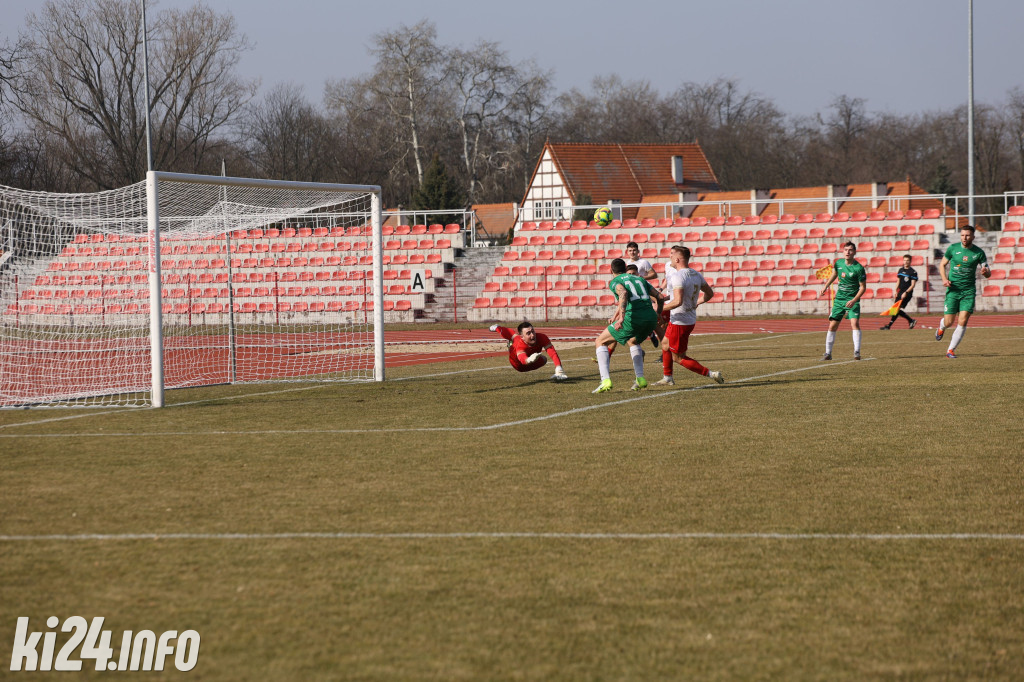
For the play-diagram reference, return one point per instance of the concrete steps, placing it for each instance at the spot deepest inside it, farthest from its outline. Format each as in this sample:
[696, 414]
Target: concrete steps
[463, 281]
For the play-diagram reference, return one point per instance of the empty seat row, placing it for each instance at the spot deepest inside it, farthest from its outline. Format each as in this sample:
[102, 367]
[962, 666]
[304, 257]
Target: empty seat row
[717, 221]
[778, 234]
[201, 308]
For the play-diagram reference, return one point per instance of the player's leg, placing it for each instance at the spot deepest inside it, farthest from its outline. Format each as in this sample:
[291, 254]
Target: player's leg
[950, 308]
[636, 354]
[903, 314]
[679, 341]
[505, 332]
[602, 349]
[855, 324]
[666, 367]
[958, 333]
[666, 354]
[838, 311]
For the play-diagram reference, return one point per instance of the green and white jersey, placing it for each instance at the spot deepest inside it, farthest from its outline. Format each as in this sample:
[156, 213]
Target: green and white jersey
[849, 276]
[963, 264]
[638, 291]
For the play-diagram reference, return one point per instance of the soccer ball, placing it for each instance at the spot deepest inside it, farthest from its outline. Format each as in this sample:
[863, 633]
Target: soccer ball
[603, 216]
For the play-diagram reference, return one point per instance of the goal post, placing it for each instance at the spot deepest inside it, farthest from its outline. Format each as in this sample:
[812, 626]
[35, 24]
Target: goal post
[187, 280]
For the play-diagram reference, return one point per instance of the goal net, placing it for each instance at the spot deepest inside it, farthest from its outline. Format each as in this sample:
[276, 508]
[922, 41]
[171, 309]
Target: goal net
[244, 281]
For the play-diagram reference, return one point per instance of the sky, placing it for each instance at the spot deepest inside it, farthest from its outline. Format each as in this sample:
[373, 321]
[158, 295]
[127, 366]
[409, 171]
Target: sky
[901, 56]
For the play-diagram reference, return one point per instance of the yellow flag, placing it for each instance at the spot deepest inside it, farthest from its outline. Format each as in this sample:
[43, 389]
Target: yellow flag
[891, 311]
[824, 273]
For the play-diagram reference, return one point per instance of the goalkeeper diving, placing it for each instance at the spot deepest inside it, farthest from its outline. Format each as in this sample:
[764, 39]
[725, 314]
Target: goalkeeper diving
[524, 349]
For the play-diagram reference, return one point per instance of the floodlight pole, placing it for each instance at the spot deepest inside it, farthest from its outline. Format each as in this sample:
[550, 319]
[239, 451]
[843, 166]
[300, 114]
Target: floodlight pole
[970, 111]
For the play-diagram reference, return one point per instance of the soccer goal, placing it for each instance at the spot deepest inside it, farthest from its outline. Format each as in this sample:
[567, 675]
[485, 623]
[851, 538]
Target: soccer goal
[183, 281]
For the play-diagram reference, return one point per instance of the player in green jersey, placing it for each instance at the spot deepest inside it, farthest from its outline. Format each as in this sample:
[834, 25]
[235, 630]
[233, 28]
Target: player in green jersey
[963, 260]
[852, 283]
[634, 320]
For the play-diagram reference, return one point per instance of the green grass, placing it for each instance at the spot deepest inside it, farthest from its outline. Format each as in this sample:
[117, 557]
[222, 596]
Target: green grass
[905, 443]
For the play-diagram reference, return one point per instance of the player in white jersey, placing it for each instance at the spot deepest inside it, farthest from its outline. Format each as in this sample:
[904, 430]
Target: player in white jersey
[643, 266]
[663, 322]
[687, 285]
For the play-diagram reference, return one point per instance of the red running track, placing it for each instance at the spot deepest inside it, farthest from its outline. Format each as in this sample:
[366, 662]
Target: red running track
[588, 333]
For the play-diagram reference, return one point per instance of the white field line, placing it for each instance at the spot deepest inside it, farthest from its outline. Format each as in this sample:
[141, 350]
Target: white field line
[120, 410]
[434, 429]
[888, 537]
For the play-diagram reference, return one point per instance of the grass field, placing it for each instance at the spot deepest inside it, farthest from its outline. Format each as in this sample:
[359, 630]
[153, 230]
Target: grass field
[806, 520]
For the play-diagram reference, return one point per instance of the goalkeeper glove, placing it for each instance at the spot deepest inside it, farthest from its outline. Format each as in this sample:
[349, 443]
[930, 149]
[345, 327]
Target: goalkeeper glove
[530, 359]
[493, 327]
[560, 374]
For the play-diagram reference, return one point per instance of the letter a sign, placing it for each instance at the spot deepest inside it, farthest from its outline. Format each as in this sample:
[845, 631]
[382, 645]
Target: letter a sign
[419, 281]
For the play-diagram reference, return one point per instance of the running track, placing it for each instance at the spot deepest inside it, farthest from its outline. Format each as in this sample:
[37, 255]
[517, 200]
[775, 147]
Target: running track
[588, 333]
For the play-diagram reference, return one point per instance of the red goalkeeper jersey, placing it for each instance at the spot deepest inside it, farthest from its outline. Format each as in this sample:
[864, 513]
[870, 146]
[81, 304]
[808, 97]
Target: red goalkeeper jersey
[519, 346]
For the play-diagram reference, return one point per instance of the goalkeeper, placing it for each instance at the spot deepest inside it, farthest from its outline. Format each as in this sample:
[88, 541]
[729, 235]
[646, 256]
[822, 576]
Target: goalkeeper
[525, 346]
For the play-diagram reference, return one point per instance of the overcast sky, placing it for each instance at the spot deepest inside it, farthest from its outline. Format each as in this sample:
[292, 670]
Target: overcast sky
[902, 56]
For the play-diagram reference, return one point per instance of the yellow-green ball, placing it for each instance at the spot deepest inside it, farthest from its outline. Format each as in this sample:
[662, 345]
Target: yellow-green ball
[603, 216]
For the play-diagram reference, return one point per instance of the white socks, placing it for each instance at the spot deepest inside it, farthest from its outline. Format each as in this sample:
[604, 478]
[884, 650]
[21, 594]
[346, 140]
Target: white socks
[637, 354]
[830, 339]
[856, 340]
[958, 335]
[604, 359]
[942, 323]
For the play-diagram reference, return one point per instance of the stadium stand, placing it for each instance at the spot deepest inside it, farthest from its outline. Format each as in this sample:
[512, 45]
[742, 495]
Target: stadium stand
[809, 242]
[283, 276]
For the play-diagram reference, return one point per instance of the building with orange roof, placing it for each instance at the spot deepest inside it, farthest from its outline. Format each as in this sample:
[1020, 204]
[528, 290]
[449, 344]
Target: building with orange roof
[494, 222]
[572, 174]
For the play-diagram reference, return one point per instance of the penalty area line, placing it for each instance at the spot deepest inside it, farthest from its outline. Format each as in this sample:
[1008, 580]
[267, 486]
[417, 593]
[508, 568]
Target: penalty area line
[512, 535]
[434, 429]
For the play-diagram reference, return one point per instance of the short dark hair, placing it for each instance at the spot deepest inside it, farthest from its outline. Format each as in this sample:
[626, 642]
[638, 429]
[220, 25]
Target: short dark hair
[618, 266]
[684, 250]
[850, 244]
[967, 227]
[523, 325]
[632, 245]
[907, 255]
[632, 269]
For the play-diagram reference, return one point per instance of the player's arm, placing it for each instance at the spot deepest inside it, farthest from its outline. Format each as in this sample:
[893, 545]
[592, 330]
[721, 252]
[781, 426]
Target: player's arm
[910, 290]
[620, 311]
[560, 374]
[708, 292]
[659, 298]
[675, 301]
[985, 271]
[832, 278]
[942, 269]
[860, 292]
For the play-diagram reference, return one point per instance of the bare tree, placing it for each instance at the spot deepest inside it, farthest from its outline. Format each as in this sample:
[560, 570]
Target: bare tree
[530, 119]
[406, 76]
[1015, 115]
[371, 147]
[286, 138]
[486, 91]
[81, 85]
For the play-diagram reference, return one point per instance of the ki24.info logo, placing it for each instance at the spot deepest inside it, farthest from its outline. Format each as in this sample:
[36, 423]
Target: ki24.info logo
[142, 650]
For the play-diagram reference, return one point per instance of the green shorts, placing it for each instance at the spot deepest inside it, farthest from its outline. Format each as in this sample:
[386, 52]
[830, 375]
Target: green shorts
[638, 329]
[959, 300]
[839, 309]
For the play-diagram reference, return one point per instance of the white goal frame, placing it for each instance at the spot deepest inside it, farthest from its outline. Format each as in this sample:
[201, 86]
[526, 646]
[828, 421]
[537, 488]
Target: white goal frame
[153, 180]
[87, 291]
